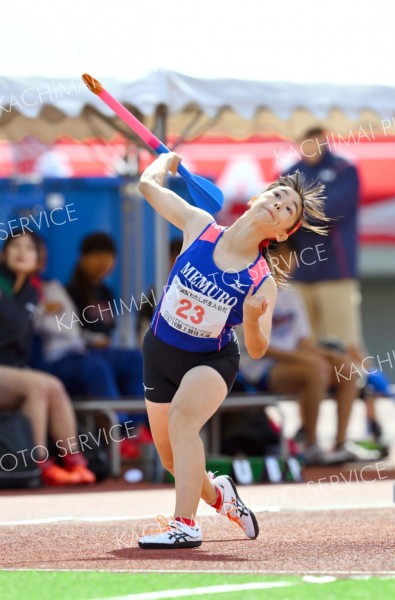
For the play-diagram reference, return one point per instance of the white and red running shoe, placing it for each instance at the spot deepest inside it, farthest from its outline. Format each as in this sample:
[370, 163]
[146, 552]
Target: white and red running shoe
[234, 508]
[171, 534]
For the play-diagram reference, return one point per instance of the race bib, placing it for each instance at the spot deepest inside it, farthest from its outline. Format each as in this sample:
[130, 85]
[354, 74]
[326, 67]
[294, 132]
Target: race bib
[192, 312]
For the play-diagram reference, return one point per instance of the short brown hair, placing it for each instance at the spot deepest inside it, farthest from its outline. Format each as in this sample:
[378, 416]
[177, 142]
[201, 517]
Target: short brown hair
[317, 131]
[312, 196]
[98, 242]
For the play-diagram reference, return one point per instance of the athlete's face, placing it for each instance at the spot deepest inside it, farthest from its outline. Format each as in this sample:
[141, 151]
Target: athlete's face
[313, 149]
[97, 265]
[278, 209]
[21, 255]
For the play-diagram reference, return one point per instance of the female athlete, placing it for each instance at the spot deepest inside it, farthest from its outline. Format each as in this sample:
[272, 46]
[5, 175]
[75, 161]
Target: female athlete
[222, 278]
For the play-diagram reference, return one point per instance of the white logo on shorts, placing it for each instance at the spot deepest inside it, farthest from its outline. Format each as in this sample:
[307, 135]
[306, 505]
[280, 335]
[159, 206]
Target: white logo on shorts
[146, 388]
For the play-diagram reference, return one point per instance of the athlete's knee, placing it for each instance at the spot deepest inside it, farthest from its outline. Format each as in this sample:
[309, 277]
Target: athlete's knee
[182, 423]
[166, 456]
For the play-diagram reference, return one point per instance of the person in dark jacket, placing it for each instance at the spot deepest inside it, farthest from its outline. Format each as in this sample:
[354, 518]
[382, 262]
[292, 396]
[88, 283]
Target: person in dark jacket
[40, 397]
[18, 299]
[97, 315]
[326, 271]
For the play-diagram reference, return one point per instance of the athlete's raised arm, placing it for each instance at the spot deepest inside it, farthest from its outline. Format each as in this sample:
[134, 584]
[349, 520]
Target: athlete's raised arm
[257, 318]
[168, 204]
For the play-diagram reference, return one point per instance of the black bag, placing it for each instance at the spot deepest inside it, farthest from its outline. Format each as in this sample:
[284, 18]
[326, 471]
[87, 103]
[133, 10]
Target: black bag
[249, 432]
[17, 467]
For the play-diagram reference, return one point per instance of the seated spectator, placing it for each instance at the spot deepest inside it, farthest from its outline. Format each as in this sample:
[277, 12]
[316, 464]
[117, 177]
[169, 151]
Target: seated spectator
[92, 297]
[39, 396]
[330, 288]
[293, 363]
[83, 369]
[95, 301]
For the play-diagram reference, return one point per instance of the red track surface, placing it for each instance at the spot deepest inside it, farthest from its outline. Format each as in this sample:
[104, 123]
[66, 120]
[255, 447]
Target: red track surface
[291, 541]
[334, 541]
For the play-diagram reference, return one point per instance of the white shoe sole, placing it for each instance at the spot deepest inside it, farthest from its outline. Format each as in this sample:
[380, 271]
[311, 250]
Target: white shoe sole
[253, 517]
[161, 546]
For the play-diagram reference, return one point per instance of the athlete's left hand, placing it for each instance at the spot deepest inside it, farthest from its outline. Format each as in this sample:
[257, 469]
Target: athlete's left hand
[254, 306]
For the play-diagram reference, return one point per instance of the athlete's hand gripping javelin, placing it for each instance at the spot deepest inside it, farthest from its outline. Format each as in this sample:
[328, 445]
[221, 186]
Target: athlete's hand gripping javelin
[189, 219]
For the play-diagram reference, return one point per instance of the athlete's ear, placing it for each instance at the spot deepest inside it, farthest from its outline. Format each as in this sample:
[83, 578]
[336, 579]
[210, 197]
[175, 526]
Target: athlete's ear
[252, 200]
[281, 237]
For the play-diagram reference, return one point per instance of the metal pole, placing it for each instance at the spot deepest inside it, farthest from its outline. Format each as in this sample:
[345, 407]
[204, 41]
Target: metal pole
[132, 253]
[162, 252]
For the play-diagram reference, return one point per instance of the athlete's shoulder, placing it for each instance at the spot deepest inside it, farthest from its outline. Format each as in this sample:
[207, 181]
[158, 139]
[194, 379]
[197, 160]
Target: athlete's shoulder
[195, 226]
[259, 271]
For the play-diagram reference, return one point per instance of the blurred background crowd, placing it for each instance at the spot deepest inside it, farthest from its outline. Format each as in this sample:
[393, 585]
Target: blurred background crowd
[80, 278]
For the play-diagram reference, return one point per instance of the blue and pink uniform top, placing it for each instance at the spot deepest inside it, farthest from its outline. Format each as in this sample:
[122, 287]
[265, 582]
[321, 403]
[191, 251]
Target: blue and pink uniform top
[201, 304]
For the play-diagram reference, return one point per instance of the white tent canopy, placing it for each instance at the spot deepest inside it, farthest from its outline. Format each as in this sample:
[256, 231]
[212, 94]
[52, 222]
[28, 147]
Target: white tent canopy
[217, 67]
[48, 108]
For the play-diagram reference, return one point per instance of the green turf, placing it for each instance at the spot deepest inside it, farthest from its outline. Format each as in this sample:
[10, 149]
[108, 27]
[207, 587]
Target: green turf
[77, 585]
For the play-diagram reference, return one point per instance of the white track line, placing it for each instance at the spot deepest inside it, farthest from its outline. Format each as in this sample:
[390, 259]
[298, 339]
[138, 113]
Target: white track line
[259, 510]
[296, 573]
[214, 589]
[339, 507]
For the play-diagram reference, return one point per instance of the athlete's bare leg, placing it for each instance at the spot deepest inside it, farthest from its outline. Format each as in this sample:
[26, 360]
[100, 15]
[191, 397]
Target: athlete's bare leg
[201, 392]
[158, 415]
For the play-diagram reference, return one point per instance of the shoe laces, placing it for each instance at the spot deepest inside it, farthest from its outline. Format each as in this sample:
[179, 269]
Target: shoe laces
[164, 525]
[234, 518]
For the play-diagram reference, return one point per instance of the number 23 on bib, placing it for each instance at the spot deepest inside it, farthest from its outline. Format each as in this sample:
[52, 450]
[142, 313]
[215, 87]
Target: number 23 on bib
[192, 312]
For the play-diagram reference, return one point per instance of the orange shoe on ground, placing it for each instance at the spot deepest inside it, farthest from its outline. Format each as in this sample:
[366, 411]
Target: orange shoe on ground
[55, 475]
[84, 475]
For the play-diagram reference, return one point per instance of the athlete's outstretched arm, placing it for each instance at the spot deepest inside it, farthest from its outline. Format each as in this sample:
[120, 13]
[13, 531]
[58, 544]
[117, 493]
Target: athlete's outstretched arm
[168, 204]
[257, 318]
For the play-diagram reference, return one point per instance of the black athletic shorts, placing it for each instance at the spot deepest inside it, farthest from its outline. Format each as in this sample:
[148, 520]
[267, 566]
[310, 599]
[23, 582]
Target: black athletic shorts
[165, 366]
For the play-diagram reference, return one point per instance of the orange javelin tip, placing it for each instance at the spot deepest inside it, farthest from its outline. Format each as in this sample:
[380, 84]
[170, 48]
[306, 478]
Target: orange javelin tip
[92, 83]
